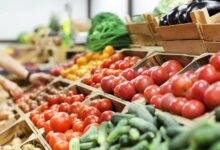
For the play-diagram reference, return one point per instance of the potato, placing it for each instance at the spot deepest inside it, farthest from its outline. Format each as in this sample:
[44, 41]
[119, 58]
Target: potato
[28, 147]
[16, 141]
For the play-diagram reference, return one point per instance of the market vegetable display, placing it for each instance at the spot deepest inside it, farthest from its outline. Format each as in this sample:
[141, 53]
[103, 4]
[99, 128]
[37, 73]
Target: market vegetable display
[107, 29]
[181, 14]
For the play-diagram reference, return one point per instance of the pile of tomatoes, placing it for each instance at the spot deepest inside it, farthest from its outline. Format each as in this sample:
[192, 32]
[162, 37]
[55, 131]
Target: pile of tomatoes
[65, 117]
[112, 66]
[192, 93]
[131, 84]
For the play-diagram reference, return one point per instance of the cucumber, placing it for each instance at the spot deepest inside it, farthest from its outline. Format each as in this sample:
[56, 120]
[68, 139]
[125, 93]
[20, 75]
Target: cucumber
[142, 125]
[115, 118]
[124, 140]
[122, 122]
[174, 131]
[134, 135]
[206, 136]
[156, 142]
[74, 144]
[217, 114]
[93, 138]
[92, 131]
[116, 133]
[166, 120]
[142, 145]
[140, 111]
[147, 136]
[151, 109]
[215, 146]
[102, 133]
[115, 147]
[87, 146]
[96, 148]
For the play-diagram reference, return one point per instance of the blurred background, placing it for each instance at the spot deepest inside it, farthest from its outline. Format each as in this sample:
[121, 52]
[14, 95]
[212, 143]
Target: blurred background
[26, 15]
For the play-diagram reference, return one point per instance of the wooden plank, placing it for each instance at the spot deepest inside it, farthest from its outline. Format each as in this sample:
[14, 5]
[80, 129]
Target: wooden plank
[211, 32]
[213, 47]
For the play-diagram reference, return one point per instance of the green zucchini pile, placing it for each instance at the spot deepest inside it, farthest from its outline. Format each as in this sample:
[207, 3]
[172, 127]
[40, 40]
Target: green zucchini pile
[139, 129]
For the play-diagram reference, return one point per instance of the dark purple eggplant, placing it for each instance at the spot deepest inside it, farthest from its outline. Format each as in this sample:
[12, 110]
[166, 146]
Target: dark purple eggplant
[172, 16]
[213, 8]
[181, 15]
[163, 21]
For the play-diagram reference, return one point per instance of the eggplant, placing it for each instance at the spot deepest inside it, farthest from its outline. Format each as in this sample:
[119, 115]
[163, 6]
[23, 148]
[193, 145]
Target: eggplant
[182, 14]
[163, 21]
[172, 16]
[213, 8]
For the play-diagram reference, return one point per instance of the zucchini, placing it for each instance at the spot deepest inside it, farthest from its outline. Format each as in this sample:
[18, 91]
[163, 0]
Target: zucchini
[88, 145]
[122, 122]
[92, 131]
[116, 133]
[215, 146]
[140, 111]
[124, 140]
[147, 136]
[115, 147]
[151, 109]
[115, 118]
[217, 114]
[134, 135]
[166, 120]
[142, 145]
[142, 125]
[207, 135]
[102, 133]
[74, 144]
[174, 131]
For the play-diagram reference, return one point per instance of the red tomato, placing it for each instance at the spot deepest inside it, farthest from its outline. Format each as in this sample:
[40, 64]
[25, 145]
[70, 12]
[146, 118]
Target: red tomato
[142, 82]
[97, 77]
[156, 101]
[207, 73]
[180, 85]
[33, 113]
[172, 66]
[37, 117]
[191, 74]
[211, 96]
[166, 101]
[87, 80]
[61, 145]
[126, 90]
[215, 61]
[90, 125]
[64, 107]
[75, 107]
[48, 114]
[147, 72]
[137, 96]
[90, 119]
[150, 91]
[78, 126]
[117, 57]
[44, 107]
[60, 122]
[166, 88]
[55, 137]
[198, 89]
[159, 75]
[106, 84]
[106, 63]
[124, 65]
[141, 70]
[47, 127]
[40, 123]
[94, 103]
[117, 81]
[61, 98]
[129, 74]
[104, 104]
[48, 135]
[106, 116]
[116, 91]
[193, 109]
[52, 99]
[70, 134]
[177, 105]
[73, 117]
[90, 111]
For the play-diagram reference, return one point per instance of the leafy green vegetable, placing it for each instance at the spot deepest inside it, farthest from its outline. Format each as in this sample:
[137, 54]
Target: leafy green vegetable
[107, 29]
